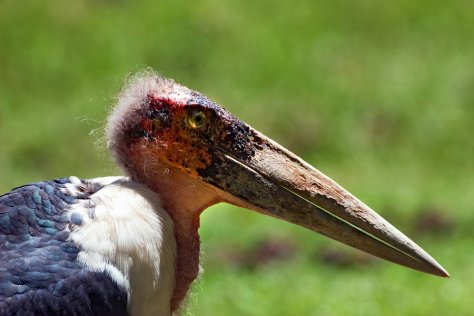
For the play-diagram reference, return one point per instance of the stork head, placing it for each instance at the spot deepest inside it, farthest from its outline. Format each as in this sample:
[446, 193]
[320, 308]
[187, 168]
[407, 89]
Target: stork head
[165, 123]
[160, 130]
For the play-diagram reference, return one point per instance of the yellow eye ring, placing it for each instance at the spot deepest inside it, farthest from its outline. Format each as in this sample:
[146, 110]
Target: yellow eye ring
[197, 119]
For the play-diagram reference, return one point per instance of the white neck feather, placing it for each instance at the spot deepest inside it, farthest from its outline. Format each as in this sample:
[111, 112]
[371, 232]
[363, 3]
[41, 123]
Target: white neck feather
[126, 233]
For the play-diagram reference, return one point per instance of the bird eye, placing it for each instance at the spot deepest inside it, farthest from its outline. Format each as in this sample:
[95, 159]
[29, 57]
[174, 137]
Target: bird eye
[196, 119]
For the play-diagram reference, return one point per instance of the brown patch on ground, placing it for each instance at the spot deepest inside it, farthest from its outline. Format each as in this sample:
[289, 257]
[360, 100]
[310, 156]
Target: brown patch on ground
[434, 222]
[267, 251]
[343, 258]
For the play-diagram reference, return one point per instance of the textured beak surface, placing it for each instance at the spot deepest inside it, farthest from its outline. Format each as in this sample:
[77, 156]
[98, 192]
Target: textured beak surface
[276, 182]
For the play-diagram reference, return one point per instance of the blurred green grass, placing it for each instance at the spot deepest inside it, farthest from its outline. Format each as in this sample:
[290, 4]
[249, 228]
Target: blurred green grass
[380, 96]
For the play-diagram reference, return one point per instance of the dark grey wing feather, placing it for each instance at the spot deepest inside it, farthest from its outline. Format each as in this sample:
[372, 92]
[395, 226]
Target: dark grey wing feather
[39, 270]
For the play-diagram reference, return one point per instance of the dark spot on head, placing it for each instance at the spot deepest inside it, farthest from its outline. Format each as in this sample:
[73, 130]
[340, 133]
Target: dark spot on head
[158, 110]
[137, 131]
[237, 136]
[156, 115]
[212, 170]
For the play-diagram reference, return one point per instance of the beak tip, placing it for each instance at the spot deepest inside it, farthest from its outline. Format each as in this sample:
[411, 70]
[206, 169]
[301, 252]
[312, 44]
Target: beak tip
[436, 269]
[443, 273]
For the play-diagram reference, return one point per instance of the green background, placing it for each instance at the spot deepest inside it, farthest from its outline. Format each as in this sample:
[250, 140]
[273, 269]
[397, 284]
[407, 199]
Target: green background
[378, 95]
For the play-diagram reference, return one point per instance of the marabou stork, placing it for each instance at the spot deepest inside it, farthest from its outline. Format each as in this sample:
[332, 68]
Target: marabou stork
[130, 245]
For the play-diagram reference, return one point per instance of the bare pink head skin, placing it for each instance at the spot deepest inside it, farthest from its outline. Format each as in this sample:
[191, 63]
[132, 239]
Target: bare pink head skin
[194, 154]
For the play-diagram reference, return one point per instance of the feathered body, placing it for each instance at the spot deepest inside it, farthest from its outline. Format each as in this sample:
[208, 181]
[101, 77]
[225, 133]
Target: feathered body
[85, 247]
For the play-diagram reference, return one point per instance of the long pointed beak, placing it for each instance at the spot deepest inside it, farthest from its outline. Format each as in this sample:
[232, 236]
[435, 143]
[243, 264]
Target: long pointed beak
[278, 183]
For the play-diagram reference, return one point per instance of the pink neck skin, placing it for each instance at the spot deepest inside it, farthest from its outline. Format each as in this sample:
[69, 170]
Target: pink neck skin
[184, 198]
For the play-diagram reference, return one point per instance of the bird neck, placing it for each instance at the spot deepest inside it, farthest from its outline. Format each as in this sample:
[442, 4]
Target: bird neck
[184, 199]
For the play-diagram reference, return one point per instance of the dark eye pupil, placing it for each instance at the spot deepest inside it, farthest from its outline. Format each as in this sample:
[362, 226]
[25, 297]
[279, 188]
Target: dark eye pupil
[197, 119]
